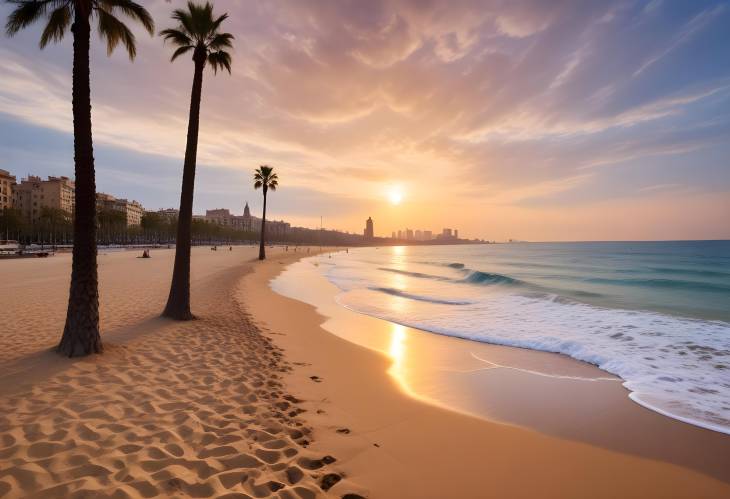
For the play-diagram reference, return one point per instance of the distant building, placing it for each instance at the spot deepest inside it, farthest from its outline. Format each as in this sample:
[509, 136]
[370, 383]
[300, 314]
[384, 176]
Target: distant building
[245, 222]
[456, 233]
[427, 235]
[34, 194]
[418, 235]
[369, 231]
[400, 234]
[249, 222]
[392, 236]
[223, 216]
[446, 234]
[7, 182]
[409, 235]
[132, 210]
[170, 213]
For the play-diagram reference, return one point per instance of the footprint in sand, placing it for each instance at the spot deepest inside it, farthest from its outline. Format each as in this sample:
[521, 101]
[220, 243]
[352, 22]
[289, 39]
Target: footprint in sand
[329, 481]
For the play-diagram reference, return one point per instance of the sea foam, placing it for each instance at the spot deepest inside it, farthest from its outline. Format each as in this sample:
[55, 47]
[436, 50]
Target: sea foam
[674, 365]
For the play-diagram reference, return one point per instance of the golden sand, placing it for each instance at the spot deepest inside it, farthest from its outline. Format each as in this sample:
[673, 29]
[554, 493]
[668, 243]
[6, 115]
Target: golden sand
[181, 408]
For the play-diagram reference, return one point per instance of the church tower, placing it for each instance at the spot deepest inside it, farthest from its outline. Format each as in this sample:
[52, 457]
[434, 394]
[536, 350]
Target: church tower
[247, 223]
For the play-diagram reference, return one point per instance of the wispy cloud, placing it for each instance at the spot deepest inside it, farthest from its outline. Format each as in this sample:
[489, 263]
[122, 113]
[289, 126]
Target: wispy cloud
[516, 101]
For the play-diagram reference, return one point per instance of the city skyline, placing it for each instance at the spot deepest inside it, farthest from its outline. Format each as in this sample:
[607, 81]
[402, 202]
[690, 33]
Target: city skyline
[29, 195]
[535, 121]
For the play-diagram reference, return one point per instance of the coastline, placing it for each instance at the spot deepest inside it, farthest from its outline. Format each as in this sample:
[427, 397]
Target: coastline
[428, 451]
[254, 396]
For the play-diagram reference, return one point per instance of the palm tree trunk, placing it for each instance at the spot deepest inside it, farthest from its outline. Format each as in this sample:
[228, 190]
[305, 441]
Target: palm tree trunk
[178, 302]
[262, 251]
[81, 332]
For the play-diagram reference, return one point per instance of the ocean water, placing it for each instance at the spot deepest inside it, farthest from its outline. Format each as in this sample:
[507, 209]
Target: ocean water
[657, 314]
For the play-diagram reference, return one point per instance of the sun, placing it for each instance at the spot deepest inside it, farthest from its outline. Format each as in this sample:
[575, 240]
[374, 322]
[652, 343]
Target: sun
[395, 196]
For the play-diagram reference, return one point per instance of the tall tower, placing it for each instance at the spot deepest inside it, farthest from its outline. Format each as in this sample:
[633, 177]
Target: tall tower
[247, 222]
[369, 231]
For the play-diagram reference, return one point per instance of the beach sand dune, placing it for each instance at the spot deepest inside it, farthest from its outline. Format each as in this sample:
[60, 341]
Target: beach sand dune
[179, 408]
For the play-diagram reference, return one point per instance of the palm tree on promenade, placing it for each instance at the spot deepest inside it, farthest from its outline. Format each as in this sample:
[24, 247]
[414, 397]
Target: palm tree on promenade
[264, 178]
[197, 31]
[81, 331]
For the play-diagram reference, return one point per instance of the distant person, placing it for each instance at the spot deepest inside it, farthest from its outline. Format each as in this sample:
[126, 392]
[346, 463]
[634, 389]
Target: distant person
[230, 248]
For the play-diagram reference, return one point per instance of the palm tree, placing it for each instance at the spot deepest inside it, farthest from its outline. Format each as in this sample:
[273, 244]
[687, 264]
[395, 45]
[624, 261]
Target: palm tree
[264, 178]
[197, 31]
[81, 331]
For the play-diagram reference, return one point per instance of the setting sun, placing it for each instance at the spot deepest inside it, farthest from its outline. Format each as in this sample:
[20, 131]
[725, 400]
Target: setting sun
[395, 196]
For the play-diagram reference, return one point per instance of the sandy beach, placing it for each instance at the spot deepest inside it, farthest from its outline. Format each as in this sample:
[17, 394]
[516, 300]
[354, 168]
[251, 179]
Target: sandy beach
[393, 445]
[193, 409]
[255, 399]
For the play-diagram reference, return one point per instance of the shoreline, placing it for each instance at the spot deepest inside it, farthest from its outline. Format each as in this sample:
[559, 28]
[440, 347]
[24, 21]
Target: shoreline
[256, 398]
[634, 472]
[324, 296]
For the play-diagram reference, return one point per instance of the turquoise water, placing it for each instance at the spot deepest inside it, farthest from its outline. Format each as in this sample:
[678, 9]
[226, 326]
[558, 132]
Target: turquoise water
[686, 278]
[657, 314]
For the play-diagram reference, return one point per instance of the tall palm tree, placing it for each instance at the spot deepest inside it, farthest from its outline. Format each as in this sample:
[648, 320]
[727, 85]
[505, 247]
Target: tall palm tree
[81, 331]
[264, 178]
[197, 30]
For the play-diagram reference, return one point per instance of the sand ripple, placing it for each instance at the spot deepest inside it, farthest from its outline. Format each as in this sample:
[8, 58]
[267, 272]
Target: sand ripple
[193, 409]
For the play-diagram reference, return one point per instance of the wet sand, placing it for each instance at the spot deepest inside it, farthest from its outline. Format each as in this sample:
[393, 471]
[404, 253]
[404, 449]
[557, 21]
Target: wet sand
[547, 426]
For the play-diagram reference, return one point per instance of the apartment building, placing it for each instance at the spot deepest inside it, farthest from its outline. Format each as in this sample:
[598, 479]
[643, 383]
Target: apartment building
[132, 210]
[33, 194]
[7, 182]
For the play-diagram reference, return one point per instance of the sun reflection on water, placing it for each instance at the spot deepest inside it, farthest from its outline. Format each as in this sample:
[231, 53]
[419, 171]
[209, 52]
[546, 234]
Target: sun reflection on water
[397, 353]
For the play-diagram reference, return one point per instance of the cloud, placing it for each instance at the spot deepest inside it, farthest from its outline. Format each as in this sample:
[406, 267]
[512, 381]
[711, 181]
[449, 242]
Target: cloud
[518, 100]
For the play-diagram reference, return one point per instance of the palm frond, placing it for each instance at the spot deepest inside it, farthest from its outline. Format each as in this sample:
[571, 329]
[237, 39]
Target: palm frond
[197, 29]
[180, 51]
[220, 60]
[220, 41]
[133, 10]
[184, 19]
[114, 31]
[27, 12]
[177, 37]
[217, 23]
[58, 22]
[265, 177]
[203, 18]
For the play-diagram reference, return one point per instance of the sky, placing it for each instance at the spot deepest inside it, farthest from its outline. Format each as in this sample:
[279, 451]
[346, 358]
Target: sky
[521, 119]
